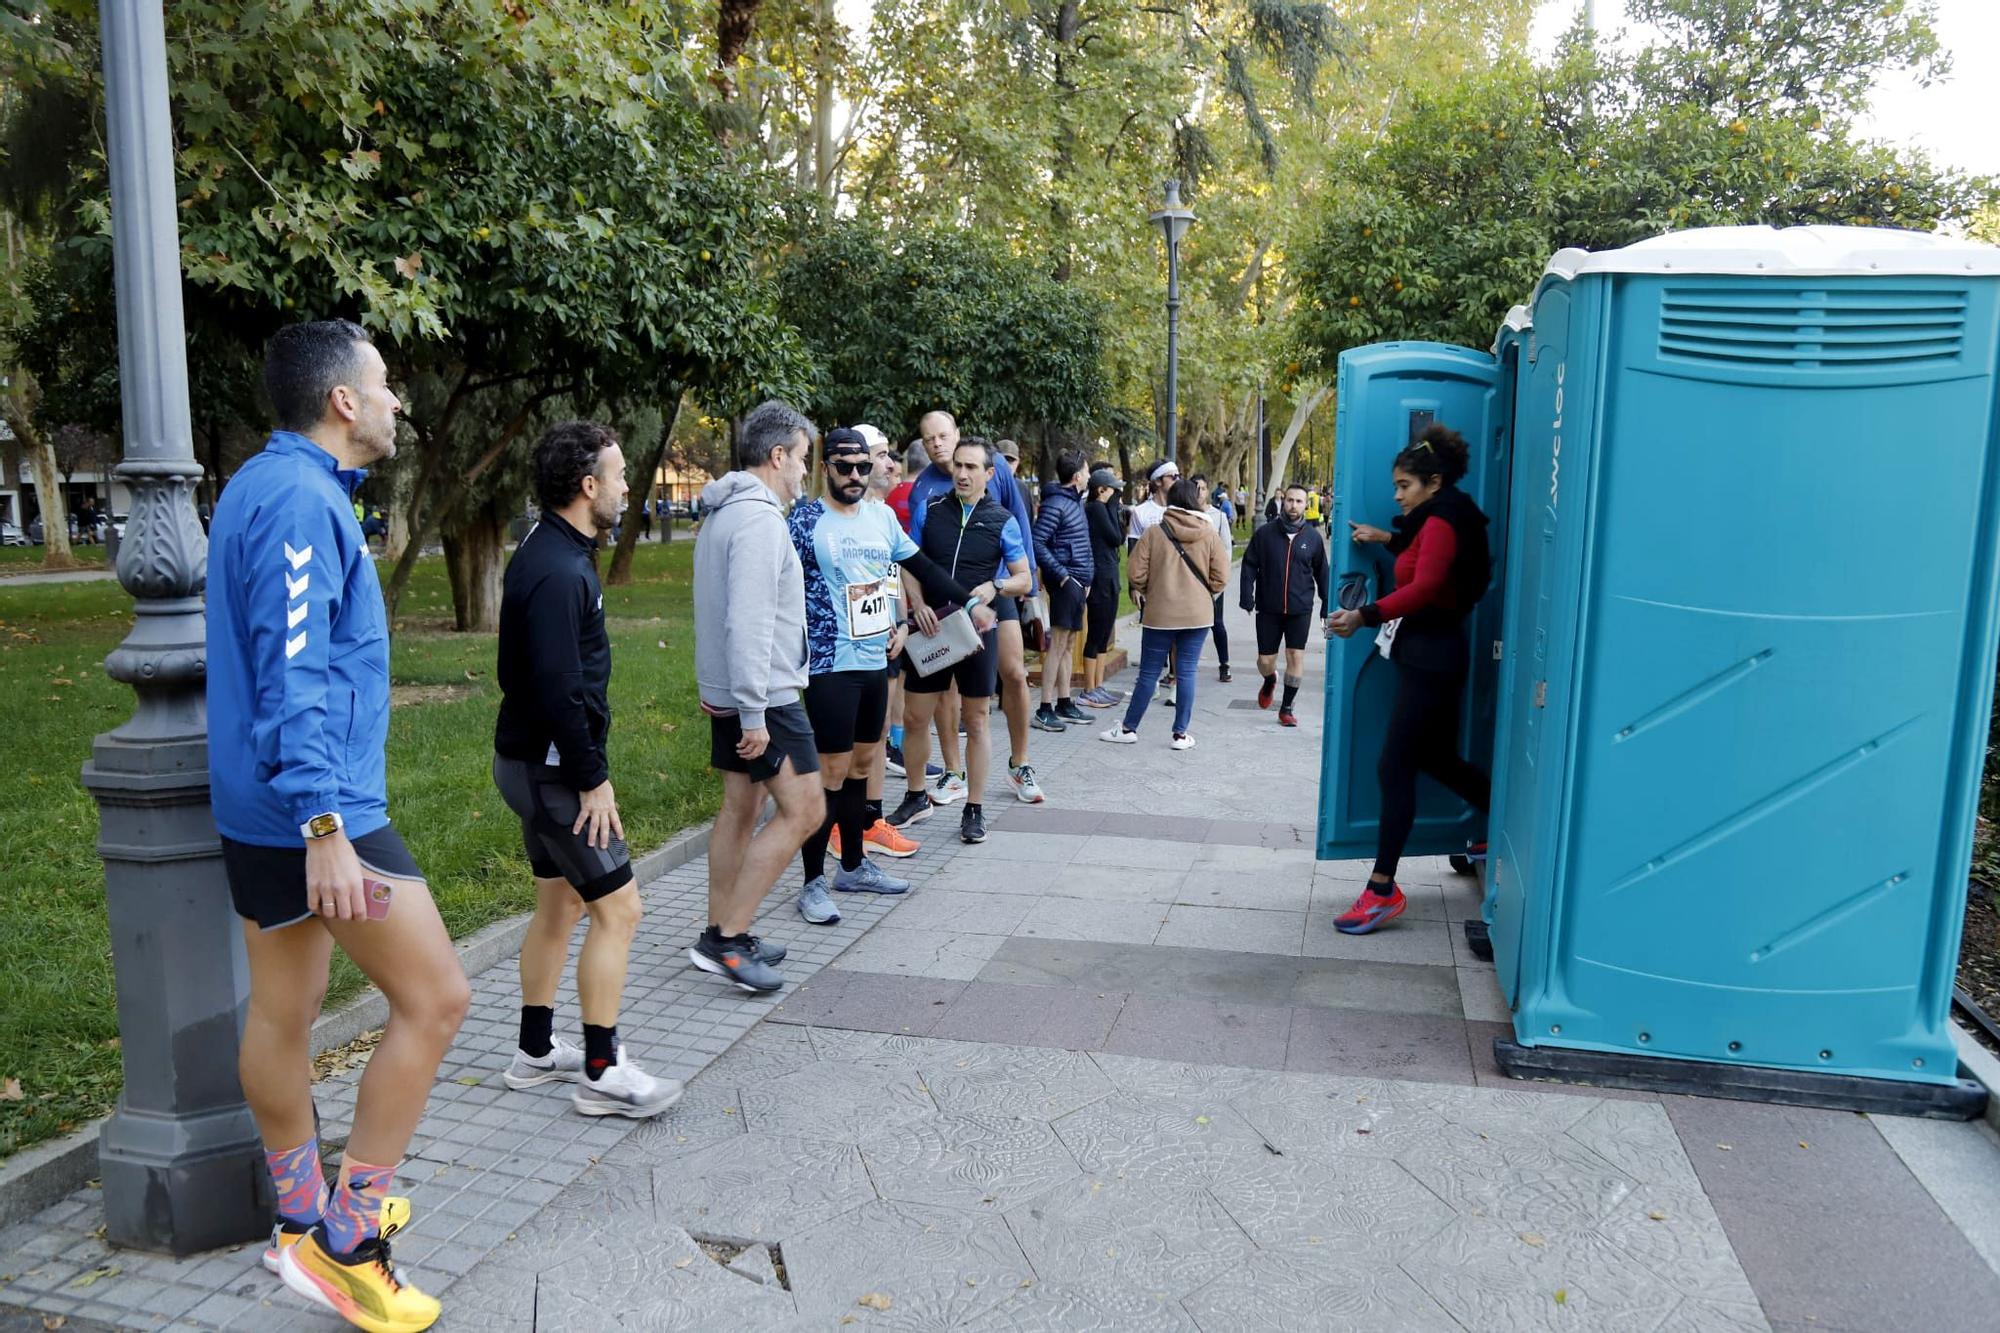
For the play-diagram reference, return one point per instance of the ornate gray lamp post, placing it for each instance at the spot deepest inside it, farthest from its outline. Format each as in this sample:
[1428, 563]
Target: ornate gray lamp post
[1173, 220]
[180, 1159]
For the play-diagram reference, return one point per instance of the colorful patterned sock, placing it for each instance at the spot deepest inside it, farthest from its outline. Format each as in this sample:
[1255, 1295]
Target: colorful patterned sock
[355, 1214]
[298, 1181]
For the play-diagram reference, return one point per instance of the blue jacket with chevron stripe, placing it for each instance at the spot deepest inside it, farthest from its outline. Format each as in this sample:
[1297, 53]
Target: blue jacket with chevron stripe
[298, 651]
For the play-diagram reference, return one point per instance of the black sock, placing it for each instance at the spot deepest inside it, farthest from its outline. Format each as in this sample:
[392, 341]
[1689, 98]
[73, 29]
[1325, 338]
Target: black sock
[853, 798]
[873, 811]
[1386, 890]
[1291, 693]
[1067, 701]
[600, 1050]
[538, 1022]
[1271, 680]
[814, 851]
[974, 806]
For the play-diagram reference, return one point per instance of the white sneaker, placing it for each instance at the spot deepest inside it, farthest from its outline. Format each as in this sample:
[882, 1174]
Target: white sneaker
[1182, 741]
[1120, 735]
[1026, 789]
[626, 1090]
[949, 788]
[563, 1063]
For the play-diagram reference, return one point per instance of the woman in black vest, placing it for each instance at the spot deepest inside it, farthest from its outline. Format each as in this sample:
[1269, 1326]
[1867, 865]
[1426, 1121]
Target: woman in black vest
[1442, 569]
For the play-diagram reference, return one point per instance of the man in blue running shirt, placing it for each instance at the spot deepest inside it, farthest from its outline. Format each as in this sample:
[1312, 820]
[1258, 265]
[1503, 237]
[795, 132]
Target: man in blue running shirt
[850, 551]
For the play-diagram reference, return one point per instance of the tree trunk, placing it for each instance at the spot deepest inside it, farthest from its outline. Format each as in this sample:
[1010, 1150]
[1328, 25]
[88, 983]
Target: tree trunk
[1300, 415]
[398, 539]
[475, 557]
[628, 536]
[824, 18]
[41, 457]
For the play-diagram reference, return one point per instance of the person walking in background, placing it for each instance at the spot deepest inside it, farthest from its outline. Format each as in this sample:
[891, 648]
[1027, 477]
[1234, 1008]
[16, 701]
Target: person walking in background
[750, 667]
[1105, 515]
[1220, 521]
[1442, 568]
[550, 765]
[1160, 478]
[1177, 570]
[1063, 548]
[298, 723]
[1284, 566]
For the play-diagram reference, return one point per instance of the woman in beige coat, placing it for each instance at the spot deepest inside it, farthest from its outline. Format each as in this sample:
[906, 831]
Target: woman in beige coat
[1178, 567]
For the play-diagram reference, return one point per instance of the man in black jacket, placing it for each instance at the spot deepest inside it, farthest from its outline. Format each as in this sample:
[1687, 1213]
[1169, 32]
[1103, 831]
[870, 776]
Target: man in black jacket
[1283, 567]
[549, 763]
[1063, 550]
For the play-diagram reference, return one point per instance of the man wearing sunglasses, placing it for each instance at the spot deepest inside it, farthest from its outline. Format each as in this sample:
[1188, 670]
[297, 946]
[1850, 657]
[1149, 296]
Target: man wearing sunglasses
[850, 551]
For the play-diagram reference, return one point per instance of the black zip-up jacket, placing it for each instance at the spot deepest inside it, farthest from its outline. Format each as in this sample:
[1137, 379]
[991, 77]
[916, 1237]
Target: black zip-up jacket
[1283, 569]
[1107, 539]
[962, 550]
[555, 656]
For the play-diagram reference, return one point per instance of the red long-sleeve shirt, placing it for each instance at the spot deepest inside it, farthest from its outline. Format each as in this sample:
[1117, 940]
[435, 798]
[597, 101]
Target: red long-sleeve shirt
[1423, 574]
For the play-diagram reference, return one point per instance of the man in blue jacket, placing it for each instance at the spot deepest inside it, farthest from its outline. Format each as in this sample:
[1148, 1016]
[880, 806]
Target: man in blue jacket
[940, 434]
[298, 714]
[1062, 545]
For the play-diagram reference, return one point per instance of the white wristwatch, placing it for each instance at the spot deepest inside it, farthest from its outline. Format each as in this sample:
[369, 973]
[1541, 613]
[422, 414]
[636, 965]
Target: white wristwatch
[322, 826]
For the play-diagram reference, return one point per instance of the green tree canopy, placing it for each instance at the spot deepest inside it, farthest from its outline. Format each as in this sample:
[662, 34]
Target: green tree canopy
[941, 317]
[1449, 219]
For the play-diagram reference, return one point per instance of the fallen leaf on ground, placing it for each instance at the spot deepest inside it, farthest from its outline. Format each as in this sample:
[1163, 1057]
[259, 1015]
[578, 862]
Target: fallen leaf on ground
[1724, 1147]
[1533, 1238]
[1804, 1144]
[10, 1091]
[55, 1321]
[683, 1263]
[875, 1300]
[94, 1275]
[470, 1080]
[1562, 1296]
[1657, 1215]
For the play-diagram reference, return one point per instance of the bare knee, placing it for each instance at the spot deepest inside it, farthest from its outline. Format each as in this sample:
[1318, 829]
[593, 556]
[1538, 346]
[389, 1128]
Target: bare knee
[436, 1007]
[618, 912]
[975, 721]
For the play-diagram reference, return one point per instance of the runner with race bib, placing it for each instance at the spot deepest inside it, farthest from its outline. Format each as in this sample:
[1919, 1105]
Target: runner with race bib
[851, 549]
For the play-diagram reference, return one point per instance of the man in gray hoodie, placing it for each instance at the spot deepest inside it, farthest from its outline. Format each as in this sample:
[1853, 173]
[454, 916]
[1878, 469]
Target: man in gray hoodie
[750, 665]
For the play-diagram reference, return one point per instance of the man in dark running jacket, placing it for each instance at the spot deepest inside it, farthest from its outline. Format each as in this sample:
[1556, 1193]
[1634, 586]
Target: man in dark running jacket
[967, 535]
[1062, 549]
[1283, 568]
[549, 763]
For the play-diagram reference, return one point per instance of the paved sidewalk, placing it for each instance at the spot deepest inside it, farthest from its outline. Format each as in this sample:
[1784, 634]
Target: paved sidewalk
[1114, 1069]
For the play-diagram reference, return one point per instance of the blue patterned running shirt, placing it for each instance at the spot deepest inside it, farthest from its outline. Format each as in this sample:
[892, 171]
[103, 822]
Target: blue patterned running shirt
[853, 594]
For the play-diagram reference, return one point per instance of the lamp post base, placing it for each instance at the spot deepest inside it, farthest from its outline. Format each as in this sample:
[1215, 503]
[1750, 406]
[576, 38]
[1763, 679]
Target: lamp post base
[180, 1184]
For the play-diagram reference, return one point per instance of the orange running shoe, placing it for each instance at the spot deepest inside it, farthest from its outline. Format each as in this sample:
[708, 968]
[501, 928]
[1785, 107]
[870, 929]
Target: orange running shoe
[883, 837]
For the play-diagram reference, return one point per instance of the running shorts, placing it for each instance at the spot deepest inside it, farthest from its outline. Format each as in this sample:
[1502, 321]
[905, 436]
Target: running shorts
[547, 807]
[845, 707]
[1103, 609]
[791, 738]
[1294, 629]
[268, 884]
[1066, 606]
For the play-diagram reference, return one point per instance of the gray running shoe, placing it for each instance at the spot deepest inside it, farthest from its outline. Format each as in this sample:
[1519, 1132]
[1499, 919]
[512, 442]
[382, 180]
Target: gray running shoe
[868, 878]
[627, 1090]
[735, 959]
[815, 906]
[563, 1063]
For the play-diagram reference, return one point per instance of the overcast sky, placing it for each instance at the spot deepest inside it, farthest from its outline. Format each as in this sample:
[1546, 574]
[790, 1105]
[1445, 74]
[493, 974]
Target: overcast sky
[1957, 121]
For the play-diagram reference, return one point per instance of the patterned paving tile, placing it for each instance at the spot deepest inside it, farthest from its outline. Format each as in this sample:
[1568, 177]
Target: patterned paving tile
[967, 1161]
[761, 1187]
[1495, 1278]
[1044, 1084]
[1316, 1289]
[1119, 1233]
[937, 1264]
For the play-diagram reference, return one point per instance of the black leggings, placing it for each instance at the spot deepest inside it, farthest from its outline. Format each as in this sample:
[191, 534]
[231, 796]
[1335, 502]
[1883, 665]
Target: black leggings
[1221, 634]
[1422, 738]
[1101, 611]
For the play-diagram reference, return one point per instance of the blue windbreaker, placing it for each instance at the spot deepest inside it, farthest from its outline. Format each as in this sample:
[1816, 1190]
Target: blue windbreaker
[934, 481]
[298, 651]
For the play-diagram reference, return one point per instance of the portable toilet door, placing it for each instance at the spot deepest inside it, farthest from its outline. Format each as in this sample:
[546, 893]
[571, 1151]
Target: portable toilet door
[1388, 393]
[1750, 644]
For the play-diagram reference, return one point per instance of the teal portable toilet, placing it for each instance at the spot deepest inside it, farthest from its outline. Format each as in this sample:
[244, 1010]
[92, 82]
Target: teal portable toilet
[1388, 393]
[1748, 664]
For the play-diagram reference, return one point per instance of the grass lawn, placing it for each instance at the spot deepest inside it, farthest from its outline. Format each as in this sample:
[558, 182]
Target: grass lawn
[58, 1024]
[28, 559]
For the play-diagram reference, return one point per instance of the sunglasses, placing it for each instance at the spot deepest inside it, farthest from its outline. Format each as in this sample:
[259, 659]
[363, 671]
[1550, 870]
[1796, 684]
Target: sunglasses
[847, 468]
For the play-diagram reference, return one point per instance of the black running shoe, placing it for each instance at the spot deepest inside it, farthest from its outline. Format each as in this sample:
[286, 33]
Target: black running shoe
[1045, 719]
[1069, 712]
[915, 809]
[972, 824]
[1222, 673]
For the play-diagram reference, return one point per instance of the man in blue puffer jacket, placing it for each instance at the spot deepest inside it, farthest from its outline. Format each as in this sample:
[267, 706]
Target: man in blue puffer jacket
[1062, 549]
[298, 713]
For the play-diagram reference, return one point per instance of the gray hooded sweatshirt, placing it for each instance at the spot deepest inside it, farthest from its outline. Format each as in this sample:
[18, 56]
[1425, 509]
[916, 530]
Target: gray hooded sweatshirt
[749, 602]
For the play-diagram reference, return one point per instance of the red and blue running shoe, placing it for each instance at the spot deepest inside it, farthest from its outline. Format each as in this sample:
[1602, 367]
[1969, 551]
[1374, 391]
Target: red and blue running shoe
[1371, 910]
